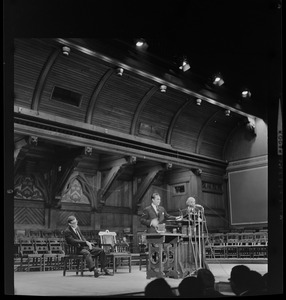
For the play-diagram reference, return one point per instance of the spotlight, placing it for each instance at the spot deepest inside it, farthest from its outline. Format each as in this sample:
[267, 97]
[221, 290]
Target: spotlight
[119, 71]
[141, 44]
[227, 112]
[218, 80]
[199, 101]
[245, 94]
[163, 88]
[184, 64]
[66, 50]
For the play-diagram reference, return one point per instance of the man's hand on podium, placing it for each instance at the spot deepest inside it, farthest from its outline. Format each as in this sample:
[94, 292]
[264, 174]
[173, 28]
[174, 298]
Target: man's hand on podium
[154, 222]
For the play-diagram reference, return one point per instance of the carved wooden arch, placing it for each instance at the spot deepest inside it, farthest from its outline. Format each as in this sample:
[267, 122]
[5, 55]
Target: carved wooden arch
[87, 191]
[204, 126]
[94, 97]
[140, 107]
[174, 120]
[42, 79]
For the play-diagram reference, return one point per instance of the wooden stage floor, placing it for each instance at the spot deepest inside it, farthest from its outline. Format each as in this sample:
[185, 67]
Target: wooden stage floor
[53, 283]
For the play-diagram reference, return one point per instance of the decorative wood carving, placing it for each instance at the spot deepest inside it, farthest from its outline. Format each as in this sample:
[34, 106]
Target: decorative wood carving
[212, 187]
[29, 187]
[75, 193]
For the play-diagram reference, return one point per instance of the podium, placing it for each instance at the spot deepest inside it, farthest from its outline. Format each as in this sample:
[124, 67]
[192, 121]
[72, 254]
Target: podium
[163, 255]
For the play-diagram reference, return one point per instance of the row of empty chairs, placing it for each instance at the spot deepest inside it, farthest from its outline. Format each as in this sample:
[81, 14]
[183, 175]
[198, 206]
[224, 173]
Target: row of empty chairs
[249, 244]
[239, 238]
[39, 254]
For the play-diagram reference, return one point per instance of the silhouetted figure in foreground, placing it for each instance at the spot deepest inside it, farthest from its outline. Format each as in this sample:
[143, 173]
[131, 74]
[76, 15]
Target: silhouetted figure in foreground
[158, 288]
[256, 284]
[239, 279]
[246, 282]
[207, 280]
[190, 287]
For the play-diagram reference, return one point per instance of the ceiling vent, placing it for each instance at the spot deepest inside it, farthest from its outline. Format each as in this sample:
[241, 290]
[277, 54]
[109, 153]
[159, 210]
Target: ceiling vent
[66, 96]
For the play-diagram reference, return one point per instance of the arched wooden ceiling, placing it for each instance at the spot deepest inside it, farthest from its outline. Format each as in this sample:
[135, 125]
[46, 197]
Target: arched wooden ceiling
[131, 104]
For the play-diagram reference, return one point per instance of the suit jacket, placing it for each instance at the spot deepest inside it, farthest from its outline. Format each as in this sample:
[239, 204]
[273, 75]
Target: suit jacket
[72, 238]
[149, 214]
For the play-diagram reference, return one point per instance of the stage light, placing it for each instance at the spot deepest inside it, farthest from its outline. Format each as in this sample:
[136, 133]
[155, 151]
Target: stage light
[141, 44]
[184, 64]
[227, 112]
[66, 50]
[119, 71]
[245, 94]
[199, 101]
[163, 88]
[218, 80]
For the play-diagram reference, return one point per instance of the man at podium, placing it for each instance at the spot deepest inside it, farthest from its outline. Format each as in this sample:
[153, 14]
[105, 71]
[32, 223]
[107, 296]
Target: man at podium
[155, 215]
[190, 213]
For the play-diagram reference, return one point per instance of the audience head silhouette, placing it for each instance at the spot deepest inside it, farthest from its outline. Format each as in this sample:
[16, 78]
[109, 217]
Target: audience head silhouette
[207, 280]
[239, 279]
[190, 287]
[256, 282]
[158, 288]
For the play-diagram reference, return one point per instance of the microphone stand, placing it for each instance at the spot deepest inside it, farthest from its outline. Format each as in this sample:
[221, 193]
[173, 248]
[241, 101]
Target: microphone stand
[190, 239]
[200, 254]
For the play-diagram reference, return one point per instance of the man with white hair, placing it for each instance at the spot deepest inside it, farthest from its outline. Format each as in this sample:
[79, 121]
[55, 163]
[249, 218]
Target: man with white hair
[191, 209]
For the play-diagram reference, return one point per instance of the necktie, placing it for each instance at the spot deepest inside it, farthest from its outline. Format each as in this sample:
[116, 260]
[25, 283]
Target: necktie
[78, 234]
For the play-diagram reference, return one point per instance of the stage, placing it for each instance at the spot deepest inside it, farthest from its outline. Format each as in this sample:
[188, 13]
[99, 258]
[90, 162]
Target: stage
[53, 283]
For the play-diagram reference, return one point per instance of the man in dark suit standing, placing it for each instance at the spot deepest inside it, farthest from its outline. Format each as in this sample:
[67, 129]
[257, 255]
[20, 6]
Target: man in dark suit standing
[74, 237]
[155, 214]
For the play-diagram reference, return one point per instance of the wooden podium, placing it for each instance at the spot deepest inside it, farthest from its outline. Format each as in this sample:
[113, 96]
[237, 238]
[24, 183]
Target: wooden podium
[163, 255]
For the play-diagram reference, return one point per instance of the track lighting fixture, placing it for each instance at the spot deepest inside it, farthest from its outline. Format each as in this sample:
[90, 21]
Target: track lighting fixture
[66, 50]
[141, 44]
[218, 80]
[119, 71]
[163, 88]
[199, 101]
[245, 94]
[227, 112]
[184, 64]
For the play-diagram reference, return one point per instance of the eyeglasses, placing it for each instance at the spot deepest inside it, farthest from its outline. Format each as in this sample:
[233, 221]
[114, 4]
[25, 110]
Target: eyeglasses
[73, 222]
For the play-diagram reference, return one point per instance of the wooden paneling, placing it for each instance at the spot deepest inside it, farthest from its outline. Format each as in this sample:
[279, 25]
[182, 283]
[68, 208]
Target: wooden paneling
[187, 128]
[75, 73]
[161, 106]
[29, 215]
[29, 58]
[118, 101]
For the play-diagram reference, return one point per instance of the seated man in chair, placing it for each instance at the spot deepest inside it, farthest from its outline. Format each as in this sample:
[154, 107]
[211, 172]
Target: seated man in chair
[74, 237]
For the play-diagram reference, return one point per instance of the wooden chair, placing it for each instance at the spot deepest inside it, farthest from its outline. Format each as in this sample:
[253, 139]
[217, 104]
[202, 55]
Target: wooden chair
[56, 247]
[118, 252]
[29, 258]
[73, 262]
[49, 259]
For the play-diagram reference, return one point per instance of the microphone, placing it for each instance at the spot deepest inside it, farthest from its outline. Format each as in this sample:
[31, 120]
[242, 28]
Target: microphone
[199, 206]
